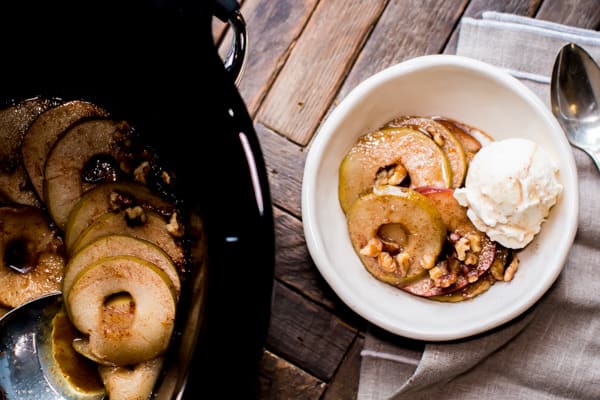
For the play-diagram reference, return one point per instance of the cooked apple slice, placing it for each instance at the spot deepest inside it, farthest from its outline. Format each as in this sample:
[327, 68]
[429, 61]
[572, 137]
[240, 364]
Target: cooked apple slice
[151, 227]
[443, 138]
[453, 214]
[468, 292]
[45, 131]
[139, 334]
[80, 373]
[30, 245]
[84, 143]
[391, 150]
[119, 245]
[136, 383]
[111, 197]
[413, 250]
[469, 143]
[14, 122]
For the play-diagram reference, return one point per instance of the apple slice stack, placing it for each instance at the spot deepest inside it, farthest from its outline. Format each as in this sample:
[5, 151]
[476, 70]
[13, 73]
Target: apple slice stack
[396, 189]
[120, 265]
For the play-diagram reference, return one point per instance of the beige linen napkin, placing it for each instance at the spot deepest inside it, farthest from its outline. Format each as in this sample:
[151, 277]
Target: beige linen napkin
[553, 350]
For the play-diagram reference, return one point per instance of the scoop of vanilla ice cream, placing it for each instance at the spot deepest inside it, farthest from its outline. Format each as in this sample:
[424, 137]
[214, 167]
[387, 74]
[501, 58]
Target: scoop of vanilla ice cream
[509, 190]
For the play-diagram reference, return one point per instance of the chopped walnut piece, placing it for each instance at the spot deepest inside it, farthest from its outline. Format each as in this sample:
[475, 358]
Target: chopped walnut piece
[119, 201]
[381, 178]
[165, 177]
[474, 242]
[174, 227]
[440, 275]
[113, 201]
[403, 261]
[141, 172]
[510, 271]
[397, 175]
[436, 272]
[135, 215]
[471, 259]
[427, 262]
[386, 262]
[462, 246]
[372, 248]
[391, 176]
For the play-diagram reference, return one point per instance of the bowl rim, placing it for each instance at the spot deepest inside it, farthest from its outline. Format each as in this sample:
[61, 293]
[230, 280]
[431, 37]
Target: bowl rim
[326, 132]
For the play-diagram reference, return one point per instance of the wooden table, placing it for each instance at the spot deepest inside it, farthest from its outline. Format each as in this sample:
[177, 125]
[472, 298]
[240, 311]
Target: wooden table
[304, 56]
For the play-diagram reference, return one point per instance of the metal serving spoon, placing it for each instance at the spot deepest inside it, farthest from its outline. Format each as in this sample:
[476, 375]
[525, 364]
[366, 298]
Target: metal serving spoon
[25, 350]
[575, 97]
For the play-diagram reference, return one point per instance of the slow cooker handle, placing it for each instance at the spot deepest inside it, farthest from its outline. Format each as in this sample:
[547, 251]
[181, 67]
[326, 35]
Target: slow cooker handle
[229, 11]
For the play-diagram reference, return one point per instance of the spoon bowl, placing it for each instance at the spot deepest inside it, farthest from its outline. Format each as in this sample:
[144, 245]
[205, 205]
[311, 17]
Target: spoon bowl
[25, 353]
[575, 97]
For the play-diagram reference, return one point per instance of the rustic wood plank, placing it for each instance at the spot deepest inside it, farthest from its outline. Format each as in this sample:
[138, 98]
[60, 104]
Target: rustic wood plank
[477, 7]
[294, 267]
[581, 13]
[293, 264]
[285, 165]
[316, 67]
[344, 384]
[307, 334]
[280, 379]
[407, 28]
[273, 27]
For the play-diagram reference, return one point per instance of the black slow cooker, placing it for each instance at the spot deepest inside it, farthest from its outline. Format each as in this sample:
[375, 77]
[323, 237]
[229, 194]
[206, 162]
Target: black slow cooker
[154, 63]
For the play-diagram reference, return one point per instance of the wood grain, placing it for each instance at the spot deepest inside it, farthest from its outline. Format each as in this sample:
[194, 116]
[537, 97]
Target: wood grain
[273, 27]
[477, 7]
[344, 384]
[295, 268]
[285, 166]
[407, 28]
[316, 66]
[293, 262]
[580, 13]
[307, 334]
[280, 379]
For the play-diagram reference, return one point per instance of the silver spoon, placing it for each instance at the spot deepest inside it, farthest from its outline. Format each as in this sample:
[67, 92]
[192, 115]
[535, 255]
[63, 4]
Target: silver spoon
[25, 351]
[575, 97]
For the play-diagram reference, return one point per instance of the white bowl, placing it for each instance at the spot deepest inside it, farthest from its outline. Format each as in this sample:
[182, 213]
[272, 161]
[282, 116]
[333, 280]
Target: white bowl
[469, 91]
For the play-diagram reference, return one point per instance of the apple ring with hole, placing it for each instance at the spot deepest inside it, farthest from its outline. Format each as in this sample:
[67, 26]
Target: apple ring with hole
[397, 232]
[443, 137]
[97, 146]
[119, 245]
[389, 156]
[45, 130]
[112, 197]
[139, 223]
[129, 336]
[14, 122]
[30, 245]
